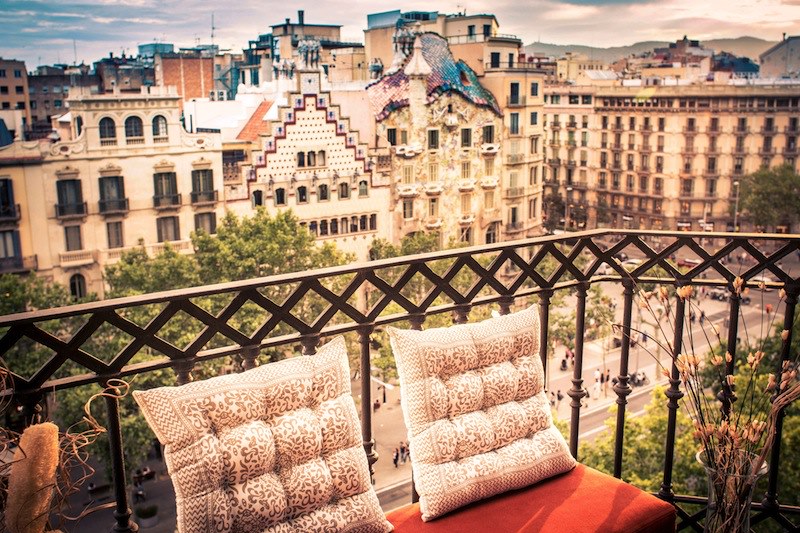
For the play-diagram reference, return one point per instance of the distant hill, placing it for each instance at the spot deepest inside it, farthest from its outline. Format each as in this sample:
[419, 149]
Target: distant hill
[750, 47]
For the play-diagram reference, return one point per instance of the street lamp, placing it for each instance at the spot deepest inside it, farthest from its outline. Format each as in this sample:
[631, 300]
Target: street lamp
[736, 206]
[566, 207]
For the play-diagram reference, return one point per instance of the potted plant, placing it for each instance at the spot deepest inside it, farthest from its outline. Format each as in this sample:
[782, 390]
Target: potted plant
[735, 429]
[146, 515]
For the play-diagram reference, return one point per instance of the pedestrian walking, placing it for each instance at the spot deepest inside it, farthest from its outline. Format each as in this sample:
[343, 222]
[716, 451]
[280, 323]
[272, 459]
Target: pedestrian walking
[596, 386]
[395, 457]
[585, 398]
[559, 397]
[602, 381]
[702, 316]
[608, 380]
[403, 452]
[552, 399]
[376, 405]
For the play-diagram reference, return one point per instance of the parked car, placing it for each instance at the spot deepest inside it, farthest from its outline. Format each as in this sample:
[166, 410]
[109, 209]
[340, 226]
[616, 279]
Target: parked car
[631, 264]
[723, 296]
[688, 263]
[762, 278]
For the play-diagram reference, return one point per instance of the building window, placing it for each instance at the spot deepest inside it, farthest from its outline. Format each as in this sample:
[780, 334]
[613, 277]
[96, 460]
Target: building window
[323, 193]
[433, 207]
[488, 134]
[301, 159]
[513, 119]
[112, 194]
[114, 233]
[323, 227]
[534, 118]
[70, 198]
[408, 174]
[466, 203]
[408, 208]
[658, 185]
[466, 137]
[321, 158]
[8, 209]
[433, 172]
[257, 199]
[466, 170]
[334, 226]
[302, 195]
[344, 191]
[362, 223]
[311, 159]
[77, 286]
[206, 222]
[686, 187]
[17, 73]
[280, 196]
[363, 190]
[344, 225]
[9, 244]
[166, 189]
[391, 136]
[488, 166]
[168, 229]
[134, 131]
[312, 227]
[534, 88]
[159, 128]
[203, 185]
[108, 131]
[488, 200]
[433, 139]
[494, 60]
[491, 233]
[72, 238]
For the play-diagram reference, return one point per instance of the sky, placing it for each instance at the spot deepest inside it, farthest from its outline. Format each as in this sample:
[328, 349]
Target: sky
[44, 32]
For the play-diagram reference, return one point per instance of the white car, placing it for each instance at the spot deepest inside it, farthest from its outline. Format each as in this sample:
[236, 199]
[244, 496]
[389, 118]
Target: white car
[631, 264]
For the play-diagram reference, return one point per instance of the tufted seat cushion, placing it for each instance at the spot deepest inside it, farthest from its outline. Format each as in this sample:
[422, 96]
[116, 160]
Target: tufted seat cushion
[478, 419]
[581, 501]
[276, 449]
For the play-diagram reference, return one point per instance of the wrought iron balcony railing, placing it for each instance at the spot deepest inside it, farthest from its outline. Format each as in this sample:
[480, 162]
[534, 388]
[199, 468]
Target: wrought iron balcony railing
[295, 311]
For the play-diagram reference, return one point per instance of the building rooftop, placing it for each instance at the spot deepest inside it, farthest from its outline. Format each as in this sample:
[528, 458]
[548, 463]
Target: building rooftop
[391, 91]
[257, 123]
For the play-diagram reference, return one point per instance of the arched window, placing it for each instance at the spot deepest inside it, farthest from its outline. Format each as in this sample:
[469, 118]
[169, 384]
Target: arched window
[77, 286]
[159, 127]
[312, 159]
[323, 193]
[323, 227]
[78, 126]
[362, 188]
[302, 195]
[334, 226]
[108, 129]
[301, 159]
[353, 224]
[134, 131]
[280, 196]
[321, 158]
[344, 190]
[258, 198]
[345, 224]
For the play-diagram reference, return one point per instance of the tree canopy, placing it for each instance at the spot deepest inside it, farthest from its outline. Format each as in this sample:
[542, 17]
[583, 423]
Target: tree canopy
[771, 197]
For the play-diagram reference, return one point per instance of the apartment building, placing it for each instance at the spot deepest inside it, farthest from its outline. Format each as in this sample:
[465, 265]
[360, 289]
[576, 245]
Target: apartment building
[125, 174]
[14, 95]
[309, 159]
[662, 157]
[503, 69]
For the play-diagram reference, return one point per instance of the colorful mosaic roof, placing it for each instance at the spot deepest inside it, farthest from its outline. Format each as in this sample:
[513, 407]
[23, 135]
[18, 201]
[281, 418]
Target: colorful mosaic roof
[391, 91]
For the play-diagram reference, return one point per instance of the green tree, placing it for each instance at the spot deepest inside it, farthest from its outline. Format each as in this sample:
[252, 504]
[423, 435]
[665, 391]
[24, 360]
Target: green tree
[30, 293]
[137, 273]
[771, 197]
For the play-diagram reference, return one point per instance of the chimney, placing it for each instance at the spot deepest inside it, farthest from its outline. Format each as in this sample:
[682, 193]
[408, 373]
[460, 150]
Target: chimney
[300, 17]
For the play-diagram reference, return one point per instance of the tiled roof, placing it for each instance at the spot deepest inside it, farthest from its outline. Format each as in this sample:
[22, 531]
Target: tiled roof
[391, 91]
[256, 124]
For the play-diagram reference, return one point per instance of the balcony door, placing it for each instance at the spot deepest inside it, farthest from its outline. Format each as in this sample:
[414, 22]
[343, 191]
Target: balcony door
[7, 206]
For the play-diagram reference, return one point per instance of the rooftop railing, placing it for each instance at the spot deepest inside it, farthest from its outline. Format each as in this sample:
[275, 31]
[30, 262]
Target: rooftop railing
[295, 311]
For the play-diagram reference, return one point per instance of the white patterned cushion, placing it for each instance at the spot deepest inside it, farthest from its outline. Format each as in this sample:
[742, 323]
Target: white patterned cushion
[275, 449]
[477, 415]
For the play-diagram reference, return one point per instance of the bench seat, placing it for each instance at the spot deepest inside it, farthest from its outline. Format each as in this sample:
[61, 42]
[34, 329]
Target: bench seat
[581, 500]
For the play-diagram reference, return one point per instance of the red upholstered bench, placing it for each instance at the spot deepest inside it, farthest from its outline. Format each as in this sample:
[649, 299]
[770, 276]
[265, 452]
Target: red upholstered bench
[582, 500]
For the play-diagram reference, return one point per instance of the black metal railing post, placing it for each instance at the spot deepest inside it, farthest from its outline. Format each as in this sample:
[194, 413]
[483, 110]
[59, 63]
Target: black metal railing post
[309, 344]
[122, 511]
[364, 333]
[544, 329]
[622, 388]
[673, 394]
[183, 371]
[249, 356]
[770, 501]
[577, 392]
[727, 395]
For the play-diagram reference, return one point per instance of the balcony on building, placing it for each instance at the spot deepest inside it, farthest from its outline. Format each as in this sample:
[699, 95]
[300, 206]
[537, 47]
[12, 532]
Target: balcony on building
[113, 206]
[515, 159]
[77, 209]
[9, 213]
[516, 101]
[18, 264]
[231, 172]
[204, 197]
[167, 201]
[407, 190]
[514, 192]
[489, 182]
[502, 277]
[433, 188]
[617, 147]
[555, 125]
[466, 185]
[572, 124]
[76, 258]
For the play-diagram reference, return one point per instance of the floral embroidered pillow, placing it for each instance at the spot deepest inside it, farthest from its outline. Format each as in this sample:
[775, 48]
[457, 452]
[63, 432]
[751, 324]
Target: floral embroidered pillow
[478, 418]
[271, 450]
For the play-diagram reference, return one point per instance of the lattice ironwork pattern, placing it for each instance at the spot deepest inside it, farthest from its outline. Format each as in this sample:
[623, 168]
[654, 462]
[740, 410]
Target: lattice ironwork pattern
[88, 343]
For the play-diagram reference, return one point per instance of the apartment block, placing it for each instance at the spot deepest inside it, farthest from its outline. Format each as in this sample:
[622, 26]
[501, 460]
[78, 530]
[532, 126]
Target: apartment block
[14, 94]
[125, 174]
[663, 157]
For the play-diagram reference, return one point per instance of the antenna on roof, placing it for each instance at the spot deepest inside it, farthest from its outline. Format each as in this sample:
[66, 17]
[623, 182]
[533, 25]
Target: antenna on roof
[212, 28]
[74, 53]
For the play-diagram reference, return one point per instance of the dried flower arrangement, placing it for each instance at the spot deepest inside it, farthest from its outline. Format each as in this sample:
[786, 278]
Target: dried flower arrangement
[47, 466]
[735, 435]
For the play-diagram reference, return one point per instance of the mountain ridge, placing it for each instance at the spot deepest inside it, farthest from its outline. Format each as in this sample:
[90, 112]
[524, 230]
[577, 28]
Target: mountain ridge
[745, 46]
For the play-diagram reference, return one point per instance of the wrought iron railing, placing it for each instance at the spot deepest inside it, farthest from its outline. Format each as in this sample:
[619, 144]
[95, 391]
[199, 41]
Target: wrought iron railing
[301, 308]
